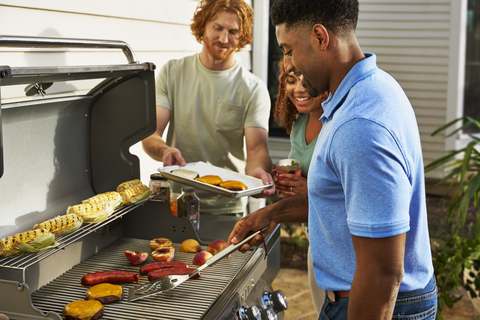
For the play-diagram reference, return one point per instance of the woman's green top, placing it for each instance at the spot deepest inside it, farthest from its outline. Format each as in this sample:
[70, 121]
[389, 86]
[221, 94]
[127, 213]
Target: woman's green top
[300, 150]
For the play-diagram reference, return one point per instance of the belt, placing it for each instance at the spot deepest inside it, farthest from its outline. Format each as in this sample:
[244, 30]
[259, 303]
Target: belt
[332, 295]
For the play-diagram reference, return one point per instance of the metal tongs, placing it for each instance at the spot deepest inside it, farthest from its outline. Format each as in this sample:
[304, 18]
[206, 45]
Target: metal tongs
[170, 282]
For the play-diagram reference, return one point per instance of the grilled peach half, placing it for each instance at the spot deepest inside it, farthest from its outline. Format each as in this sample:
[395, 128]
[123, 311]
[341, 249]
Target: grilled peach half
[159, 243]
[135, 257]
[201, 257]
[216, 246]
[190, 245]
[163, 254]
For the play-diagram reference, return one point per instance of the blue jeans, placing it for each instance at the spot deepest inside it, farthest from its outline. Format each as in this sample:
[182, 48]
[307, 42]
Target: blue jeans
[418, 304]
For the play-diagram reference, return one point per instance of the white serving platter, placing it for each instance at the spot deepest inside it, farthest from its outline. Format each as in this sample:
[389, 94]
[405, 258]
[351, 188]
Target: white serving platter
[254, 185]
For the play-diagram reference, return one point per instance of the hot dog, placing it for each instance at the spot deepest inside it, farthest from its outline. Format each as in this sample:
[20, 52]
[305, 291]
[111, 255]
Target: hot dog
[160, 273]
[91, 279]
[146, 269]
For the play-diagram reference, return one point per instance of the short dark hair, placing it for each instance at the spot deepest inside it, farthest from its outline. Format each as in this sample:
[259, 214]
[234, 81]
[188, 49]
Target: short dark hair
[338, 16]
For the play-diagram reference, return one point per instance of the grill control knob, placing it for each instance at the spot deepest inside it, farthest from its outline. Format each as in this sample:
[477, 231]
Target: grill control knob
[268, 314]
[251, 313]
[275, 300]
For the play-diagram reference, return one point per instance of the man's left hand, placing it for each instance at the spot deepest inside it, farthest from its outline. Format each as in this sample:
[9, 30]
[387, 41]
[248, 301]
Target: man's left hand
[266, 179]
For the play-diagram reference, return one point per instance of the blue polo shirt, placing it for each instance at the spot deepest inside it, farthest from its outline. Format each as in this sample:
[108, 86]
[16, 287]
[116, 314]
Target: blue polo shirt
[366, 178]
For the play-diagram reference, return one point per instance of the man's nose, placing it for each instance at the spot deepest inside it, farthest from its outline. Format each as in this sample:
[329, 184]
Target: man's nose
[224, 36]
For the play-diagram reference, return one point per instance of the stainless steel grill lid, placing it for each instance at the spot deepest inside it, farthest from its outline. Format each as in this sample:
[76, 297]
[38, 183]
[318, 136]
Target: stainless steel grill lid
[190, 300]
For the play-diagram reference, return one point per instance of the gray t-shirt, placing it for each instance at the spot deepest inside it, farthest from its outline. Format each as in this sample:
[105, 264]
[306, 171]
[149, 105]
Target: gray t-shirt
[209, 112]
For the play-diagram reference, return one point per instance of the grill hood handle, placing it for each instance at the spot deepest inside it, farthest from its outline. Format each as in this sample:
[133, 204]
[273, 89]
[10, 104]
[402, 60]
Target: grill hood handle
[44, 42]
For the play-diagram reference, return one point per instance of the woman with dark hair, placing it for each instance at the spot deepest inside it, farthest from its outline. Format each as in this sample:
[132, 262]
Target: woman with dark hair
[300, 115]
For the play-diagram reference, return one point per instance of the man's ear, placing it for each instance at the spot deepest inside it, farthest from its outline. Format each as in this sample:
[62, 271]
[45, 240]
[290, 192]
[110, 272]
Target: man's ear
[321, 35]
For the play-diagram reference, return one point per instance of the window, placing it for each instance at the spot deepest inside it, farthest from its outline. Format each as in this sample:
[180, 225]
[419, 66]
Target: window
[471, 105]
[274, 56]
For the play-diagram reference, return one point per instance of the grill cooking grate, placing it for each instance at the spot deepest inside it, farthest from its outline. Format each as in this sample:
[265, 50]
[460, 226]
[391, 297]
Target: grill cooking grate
[190, 300]
[26, 260]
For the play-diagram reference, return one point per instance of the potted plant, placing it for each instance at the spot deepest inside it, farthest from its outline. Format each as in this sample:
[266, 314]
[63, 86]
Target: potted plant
[456, 254]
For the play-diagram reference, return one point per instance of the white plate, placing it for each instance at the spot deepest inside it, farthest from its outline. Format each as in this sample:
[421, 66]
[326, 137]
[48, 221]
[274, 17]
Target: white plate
[254, 185]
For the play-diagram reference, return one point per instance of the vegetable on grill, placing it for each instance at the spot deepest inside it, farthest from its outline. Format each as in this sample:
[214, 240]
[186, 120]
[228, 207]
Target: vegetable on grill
[28, 241]
[128, 184]
[135, 194]
[112, 197]
[61, 225]
[91, 212]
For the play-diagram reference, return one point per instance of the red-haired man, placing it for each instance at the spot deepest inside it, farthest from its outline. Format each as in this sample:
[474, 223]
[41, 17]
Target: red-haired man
[218, 111]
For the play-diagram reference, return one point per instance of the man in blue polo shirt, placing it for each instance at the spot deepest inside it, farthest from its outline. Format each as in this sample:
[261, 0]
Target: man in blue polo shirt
[366, 203]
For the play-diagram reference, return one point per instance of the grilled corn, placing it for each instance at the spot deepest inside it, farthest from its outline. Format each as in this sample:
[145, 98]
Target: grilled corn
[91, 212]
[61, 225]
[128, 184]
[28, 241]
[135, 194]
[113, 198]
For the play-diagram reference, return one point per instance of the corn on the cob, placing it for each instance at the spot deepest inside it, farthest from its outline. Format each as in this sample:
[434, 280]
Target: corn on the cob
[91, 212]
[128, 184]
[135, 194]
[28, 241]
[112, 197]
[61, 225]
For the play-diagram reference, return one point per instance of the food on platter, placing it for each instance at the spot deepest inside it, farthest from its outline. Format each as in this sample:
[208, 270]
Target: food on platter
[91, 212]
[156, 243]
[184, 173]
[105, 293]
[201, 257]
[135, 194]
[91, 279]
[128, 184]
[113, 198]
[61, 225]
[190, 245]
[136, 257]
[83, 309]
[146, 269]
[233, 185]
[210, 179]
[28, 241]
[160, 273]
[163, 254]
[216, 246]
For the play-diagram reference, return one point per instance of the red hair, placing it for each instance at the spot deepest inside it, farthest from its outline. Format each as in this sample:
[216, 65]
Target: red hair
[207, 9]
[285, 111]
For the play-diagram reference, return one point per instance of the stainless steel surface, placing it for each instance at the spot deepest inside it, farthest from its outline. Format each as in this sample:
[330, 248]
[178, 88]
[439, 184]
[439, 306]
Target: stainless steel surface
[255, 186]
[190, 300]
[170, 282]
[43, 42]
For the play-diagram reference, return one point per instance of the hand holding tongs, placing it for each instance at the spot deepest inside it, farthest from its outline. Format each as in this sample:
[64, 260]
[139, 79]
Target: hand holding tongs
[170, 282]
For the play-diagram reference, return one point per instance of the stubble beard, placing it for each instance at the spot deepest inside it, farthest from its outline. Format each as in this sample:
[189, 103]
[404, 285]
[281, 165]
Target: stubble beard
[216, 54]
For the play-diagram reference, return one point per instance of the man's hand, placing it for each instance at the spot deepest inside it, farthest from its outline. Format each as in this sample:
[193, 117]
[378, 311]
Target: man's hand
[252, 223]
[172, 156]
[266, 179]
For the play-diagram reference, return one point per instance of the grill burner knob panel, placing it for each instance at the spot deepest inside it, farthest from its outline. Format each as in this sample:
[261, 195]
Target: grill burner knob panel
[268, 314]
[275, 300]
[249, 313]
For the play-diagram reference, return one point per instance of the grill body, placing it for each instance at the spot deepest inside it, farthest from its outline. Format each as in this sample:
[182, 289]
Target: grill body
[58, 150]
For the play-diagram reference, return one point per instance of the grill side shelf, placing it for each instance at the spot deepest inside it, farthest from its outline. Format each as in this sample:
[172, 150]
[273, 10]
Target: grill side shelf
[14, 268]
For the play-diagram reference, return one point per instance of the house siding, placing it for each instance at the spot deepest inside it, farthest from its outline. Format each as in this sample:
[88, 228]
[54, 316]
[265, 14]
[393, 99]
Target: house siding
[411, 40]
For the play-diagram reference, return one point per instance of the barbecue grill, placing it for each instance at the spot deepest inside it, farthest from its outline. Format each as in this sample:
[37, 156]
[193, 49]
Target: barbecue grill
[61, 148]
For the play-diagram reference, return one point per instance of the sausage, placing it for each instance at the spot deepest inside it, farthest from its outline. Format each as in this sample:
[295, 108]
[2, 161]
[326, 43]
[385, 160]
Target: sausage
[91, 279]
[160, 273]
[146, 269]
